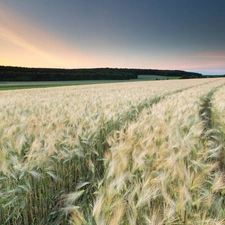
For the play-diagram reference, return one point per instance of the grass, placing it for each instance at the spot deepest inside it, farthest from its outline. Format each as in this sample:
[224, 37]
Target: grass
[43, 84]
[156, 77]
[125, 153]
[29, 87]
[46, 84]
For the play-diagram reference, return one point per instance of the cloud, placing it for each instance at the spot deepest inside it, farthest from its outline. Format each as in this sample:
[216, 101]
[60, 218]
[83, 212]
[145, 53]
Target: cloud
[41, 44]
[201, 61]
[211, 55]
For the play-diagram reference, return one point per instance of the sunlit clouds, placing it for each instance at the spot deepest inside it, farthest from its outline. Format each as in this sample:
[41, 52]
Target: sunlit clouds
[119, 34]
[212, 55]
[22, 43]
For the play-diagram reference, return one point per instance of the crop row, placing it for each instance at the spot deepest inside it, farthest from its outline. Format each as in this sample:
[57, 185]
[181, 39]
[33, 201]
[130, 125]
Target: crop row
[59, 146]
[162, 170]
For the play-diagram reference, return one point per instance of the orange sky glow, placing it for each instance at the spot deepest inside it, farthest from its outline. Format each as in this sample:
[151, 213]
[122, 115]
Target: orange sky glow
[25, 42]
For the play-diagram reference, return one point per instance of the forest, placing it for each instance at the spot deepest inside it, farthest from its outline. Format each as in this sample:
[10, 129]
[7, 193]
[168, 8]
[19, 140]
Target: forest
[9, 73]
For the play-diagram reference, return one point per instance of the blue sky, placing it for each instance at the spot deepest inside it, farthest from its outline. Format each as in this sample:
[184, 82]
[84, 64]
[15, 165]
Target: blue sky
[155, 34]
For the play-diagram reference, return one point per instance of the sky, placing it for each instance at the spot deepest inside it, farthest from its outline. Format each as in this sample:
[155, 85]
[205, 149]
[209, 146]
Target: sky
[150, 34]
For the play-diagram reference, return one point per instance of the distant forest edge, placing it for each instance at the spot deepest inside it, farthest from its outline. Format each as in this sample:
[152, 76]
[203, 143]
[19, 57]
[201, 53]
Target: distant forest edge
[8, 73]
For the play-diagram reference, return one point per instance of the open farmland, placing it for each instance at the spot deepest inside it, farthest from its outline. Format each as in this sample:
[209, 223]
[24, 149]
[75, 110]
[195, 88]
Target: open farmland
[10, 85]
[44, 84]
[156, 77]
[122, 153]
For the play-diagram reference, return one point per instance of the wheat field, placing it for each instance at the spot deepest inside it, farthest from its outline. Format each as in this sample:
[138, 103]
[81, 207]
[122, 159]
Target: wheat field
[107, 154]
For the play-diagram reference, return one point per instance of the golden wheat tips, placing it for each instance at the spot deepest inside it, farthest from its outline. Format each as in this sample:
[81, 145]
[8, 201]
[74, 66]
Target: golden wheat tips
[108, 154]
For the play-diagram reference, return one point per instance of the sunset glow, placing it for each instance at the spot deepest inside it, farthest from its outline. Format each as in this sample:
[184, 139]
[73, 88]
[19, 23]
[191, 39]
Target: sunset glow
[123, 35]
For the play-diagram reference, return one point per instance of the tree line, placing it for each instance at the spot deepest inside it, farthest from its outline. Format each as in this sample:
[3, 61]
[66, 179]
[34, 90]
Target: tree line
[9, 73]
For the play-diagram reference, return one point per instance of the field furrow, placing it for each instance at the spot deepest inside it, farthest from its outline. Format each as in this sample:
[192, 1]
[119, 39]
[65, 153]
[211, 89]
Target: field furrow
[216, 138]
[80, 153]
[158, 171]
